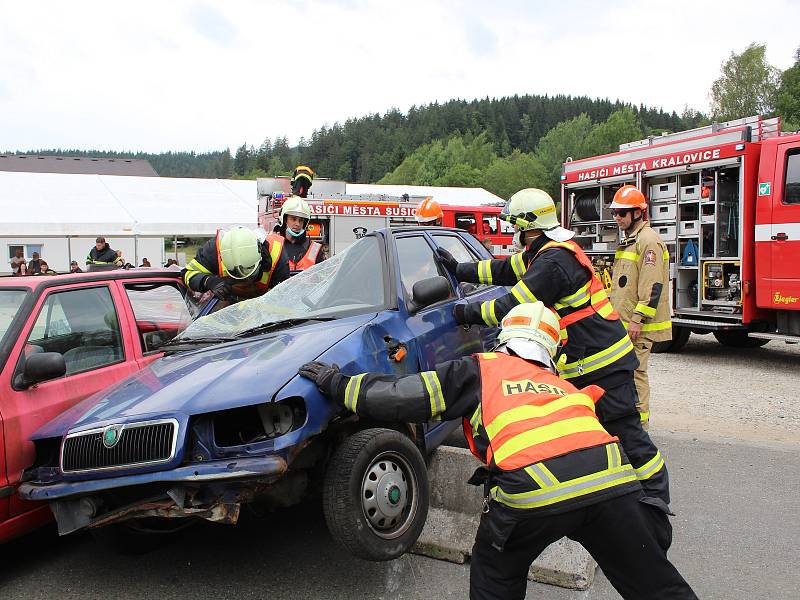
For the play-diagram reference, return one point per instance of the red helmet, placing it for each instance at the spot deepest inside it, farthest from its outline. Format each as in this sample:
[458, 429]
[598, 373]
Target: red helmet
[629, 196]
[428, 211]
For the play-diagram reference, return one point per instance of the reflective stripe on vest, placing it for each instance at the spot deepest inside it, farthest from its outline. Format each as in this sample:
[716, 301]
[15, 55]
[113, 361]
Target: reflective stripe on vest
[552, 491]
[309, 258]
[275, 248]
[596, 361]
[531, 415]
[220, 266]
[597, 299]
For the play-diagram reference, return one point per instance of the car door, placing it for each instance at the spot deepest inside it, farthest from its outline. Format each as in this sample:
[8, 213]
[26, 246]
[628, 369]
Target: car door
[82, 324]
[784, 239]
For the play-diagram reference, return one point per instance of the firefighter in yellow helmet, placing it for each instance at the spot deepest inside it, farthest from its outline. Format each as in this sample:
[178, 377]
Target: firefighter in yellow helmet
[640, 288]
[429, 212]
[290, 248]
[550, 468]
[235, 263]
[302, 179]
[597, 350]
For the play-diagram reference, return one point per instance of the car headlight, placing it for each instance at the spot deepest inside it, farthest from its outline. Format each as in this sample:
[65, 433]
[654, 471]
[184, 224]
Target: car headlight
[253, 424]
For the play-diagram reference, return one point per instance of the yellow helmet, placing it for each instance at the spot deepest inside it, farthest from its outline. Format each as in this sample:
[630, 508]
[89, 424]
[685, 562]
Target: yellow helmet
[533, 208]
[533, 322]
[240, 252]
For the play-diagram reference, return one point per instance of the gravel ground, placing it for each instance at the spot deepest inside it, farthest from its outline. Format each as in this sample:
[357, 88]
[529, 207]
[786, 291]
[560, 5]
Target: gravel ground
[711, 389]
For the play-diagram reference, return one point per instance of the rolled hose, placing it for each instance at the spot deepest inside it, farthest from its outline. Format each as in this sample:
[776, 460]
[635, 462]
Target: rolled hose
[587, 207]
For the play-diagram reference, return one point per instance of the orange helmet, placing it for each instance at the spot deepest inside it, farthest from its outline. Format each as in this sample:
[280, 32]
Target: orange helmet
[428, 211]
[629, 196]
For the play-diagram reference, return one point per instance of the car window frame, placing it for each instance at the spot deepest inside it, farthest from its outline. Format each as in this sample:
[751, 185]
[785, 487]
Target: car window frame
[62, 290]
[479, 287]
[176, 284]
[398, 278]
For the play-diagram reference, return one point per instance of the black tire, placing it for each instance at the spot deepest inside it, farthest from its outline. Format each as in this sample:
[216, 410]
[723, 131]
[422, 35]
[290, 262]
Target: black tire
[376, 494]
[738, 339]
[680, 335]
[133, 537]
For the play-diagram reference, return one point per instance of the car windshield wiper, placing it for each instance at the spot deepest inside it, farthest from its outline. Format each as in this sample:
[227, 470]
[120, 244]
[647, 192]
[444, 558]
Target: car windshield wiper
[275, 326]
[174, 343]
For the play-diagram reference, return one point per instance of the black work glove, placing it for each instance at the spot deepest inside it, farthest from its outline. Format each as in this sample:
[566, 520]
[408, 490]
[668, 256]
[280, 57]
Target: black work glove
[460, 314]
[322, 374]
[219, 286]
[448, 261]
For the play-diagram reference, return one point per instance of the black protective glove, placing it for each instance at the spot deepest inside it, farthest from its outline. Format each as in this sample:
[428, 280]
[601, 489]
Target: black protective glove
[460, 314]
[448, 260]
[219, 286]
[322, 374]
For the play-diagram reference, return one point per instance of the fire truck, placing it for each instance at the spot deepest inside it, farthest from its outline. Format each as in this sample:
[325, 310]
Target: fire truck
[339, 218]
[726, 201]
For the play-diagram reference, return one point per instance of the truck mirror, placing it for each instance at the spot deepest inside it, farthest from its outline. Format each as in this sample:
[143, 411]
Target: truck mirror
[43, 366]
[429, 291]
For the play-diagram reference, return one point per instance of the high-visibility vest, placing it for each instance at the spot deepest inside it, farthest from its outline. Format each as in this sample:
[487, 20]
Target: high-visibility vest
[528, 419]
[530, 415]
[309, 259]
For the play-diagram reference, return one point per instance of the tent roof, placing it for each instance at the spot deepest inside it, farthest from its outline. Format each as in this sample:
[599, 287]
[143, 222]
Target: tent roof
[463, 196]
[70, 204]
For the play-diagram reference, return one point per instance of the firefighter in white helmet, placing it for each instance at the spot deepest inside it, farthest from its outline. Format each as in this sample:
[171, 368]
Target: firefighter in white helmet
[290, 248]
[597, 350]
[235, 263]
[540, 442]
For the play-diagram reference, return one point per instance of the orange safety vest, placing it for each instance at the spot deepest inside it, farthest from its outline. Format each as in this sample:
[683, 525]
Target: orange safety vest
[599, 304]
[530, 415]
[309, 259]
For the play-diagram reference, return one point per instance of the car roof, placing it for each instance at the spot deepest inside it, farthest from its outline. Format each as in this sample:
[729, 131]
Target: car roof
[39, 281]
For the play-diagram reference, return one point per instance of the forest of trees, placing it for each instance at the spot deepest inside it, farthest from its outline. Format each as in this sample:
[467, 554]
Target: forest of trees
[499, 144]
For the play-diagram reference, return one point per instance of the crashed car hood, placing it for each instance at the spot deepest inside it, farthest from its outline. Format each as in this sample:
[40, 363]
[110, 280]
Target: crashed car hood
[215, 378]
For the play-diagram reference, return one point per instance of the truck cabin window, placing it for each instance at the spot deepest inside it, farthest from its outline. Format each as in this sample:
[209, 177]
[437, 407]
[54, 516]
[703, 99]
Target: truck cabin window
[791, 193]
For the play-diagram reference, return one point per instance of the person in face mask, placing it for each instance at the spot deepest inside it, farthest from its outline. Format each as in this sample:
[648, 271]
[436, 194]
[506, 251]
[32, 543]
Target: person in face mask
[290, 247]
[553, 269]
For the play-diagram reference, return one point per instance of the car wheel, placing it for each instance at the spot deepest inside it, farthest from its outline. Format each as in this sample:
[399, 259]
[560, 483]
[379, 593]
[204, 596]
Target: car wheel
[134, 537]
[680, 335]
[376, 494]
[738, 339]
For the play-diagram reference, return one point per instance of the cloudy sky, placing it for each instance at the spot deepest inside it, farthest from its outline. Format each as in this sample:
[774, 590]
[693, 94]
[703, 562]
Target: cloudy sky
[201, 75]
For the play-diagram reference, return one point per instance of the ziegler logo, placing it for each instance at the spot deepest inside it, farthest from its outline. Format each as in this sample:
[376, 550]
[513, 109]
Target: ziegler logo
[779, 298]
[528, 386]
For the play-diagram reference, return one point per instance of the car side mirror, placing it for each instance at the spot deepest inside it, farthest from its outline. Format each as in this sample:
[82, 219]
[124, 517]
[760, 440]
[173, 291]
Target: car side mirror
[41, 367]
[429, 291]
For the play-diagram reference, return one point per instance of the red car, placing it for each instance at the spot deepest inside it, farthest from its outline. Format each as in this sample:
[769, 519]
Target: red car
[61, 340]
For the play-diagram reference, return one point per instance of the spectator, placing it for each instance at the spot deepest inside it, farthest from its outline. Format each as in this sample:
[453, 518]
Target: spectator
[102, 254]
[74, 268]
[18, 266]
[487, 228]
[44, 269]
[487, 243]
[35, 265]
[145, 263]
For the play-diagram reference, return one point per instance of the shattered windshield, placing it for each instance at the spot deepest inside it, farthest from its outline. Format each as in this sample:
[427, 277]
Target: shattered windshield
[352, 282]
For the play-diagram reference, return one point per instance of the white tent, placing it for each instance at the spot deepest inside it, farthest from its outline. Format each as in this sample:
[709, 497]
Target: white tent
[458, 196]
[55, 204]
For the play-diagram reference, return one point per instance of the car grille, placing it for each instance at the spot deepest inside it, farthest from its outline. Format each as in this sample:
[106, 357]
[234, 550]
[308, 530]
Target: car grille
[139, 443]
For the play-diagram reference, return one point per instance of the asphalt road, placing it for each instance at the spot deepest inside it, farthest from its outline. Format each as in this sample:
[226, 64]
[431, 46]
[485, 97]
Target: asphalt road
[736, 535]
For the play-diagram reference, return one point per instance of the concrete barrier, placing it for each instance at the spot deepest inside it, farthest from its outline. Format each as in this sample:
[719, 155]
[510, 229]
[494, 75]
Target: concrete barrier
[453, 518]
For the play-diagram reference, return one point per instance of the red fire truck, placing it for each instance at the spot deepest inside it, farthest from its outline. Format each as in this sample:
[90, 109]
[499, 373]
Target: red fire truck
[726, 200]
[339, 218]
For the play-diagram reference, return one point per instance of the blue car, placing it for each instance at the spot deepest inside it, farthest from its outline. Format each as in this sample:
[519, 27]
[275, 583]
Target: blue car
[224, 420]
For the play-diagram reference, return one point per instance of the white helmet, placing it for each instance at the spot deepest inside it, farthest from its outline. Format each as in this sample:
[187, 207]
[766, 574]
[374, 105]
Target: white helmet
[240, 251]
[533, 208]
[532, 322]
[295, 205]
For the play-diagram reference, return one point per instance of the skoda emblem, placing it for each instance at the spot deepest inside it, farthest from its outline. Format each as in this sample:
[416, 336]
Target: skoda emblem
[111, 435]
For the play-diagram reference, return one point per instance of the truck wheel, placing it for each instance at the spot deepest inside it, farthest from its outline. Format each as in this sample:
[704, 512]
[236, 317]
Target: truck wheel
[738, 339]
[680, 335]
[376, 494]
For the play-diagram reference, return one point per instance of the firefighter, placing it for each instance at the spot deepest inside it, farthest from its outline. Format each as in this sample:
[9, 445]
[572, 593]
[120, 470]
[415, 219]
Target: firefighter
[597, 349]
[291, 249]
[551, 470]
[234, 263]
[302, 179]
[640, 288]
[102, 254]
[429, 212]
